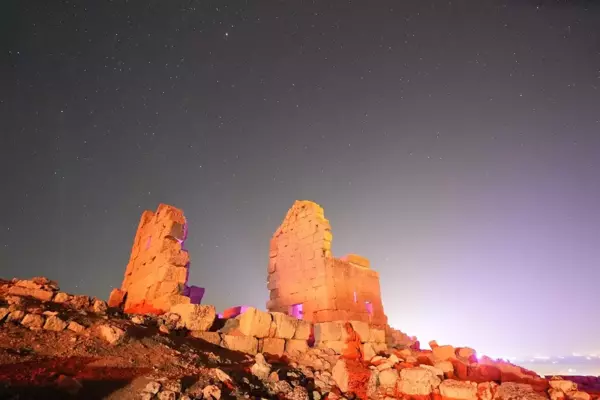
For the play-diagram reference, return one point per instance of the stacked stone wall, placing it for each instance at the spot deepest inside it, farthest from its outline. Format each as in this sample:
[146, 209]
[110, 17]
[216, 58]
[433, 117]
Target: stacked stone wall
[302, 271]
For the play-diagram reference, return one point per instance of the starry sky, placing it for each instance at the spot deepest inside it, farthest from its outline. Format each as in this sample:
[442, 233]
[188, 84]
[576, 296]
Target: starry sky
[454, 143]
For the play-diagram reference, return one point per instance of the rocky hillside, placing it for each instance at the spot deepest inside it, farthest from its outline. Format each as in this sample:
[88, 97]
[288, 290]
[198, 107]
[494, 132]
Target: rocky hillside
[55, 345]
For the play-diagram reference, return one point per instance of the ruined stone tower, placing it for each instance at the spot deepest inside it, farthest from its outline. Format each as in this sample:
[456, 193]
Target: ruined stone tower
[157, 272]
[306, 281]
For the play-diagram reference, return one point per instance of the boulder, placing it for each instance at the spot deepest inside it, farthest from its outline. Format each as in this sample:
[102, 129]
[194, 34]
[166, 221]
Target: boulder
[443, 353]
[340, 375]
[3, 313]
[261, 369]
[195, 317]
[16, 316]
[445, 366]
[61, 297]
[518, 391]
[465, 352]
[116, 298]
[245, 344]
[33, 321]
[388, 378]
[54, 323]
[40, 294]
[283, 326]
[417, 381]
[75, 327]
[487, 390]
[211, 392]
[273, 346]
[112, 334]
[255, 323]
[562, 385]
[458, 390]
[99, 306]
[368, 352]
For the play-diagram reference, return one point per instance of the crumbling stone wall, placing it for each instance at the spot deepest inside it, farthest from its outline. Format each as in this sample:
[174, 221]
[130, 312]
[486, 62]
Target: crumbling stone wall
[307, 282]
[157, 272]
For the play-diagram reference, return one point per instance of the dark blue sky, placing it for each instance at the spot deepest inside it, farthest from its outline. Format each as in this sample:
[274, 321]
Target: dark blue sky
[456, 144]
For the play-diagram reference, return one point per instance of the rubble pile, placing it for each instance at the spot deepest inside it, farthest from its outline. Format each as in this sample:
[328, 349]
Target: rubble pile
[189, 353]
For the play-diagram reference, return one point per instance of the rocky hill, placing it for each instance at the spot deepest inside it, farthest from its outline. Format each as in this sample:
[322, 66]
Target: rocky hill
[56, 345]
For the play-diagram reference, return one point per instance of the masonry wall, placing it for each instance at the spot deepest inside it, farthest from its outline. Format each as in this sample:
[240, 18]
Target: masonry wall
[303, 273]
[156, 275]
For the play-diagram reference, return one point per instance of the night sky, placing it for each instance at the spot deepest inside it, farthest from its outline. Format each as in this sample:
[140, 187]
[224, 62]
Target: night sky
[454, 143]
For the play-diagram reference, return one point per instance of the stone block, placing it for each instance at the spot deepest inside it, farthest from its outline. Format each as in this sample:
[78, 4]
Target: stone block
[195, 317]
[362, 329]
[303, 330]
[296, 346]
[210, 337]
[377, 335]
[329, 331]
[273, 346]
[443, 353]
[283, 326]
[40, 294]
[336, 345]
[255, 323]
[244, 344]
[33, 321]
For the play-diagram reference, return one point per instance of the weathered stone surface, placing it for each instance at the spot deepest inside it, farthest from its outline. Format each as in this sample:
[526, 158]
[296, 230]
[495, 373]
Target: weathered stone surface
[295, 346]
[329, 331]
[273, 346]
[261, 369]
[376, 335]
[417, 381]
[15, 316]
[307, 282]
[156, 275]
[388, 378]
[3, 313]
[54, 323]
[303, 330]
[362, 330]
[255, 323]
[33, 321]
[283, 326]
[340, 375]
[61, 297]
[338, 346]
[245, 344]
[458, 390]
[112, 334]
[36, 293]
[517, 391]
[196, 317]
[75, 327]
[443, 353]
[210, 337]
[99, 306]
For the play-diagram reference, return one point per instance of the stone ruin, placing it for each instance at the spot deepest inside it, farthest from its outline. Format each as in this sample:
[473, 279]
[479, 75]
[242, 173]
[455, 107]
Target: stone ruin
[307, 282]
[157, 273]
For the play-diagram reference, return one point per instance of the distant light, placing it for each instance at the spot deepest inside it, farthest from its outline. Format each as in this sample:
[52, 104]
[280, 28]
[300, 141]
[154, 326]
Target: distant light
[541, 357]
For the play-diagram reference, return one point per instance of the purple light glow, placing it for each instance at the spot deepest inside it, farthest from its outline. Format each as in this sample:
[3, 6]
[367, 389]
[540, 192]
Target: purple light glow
[296, 311]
